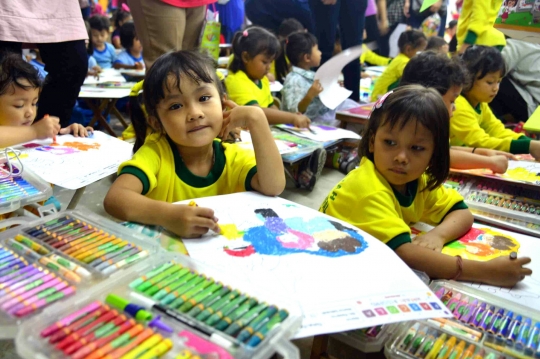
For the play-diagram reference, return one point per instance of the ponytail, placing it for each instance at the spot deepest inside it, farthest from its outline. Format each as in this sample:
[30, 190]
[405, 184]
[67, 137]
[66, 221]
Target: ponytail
[138, 116]
[282, 65]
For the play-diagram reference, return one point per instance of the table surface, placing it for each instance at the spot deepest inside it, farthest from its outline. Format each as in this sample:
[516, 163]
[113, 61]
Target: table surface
[103, 92]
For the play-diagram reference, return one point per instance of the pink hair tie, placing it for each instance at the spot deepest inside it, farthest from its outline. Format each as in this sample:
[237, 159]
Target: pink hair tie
[382, 99]
[125, 7]
[245, 33]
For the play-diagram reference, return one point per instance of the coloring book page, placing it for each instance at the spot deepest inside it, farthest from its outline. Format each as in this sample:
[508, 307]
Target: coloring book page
[320, 133]
[342, 278]
[518, 171]
[75, 162]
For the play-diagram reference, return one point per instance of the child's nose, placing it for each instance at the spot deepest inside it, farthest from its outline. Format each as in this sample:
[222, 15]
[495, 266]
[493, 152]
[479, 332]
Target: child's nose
[195, 112]
[401, 157]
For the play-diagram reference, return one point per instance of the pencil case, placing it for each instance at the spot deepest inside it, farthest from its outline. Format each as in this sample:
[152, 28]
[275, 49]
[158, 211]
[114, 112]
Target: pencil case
[51, 259]
[186, 333]
[492, 326]
[18, 191]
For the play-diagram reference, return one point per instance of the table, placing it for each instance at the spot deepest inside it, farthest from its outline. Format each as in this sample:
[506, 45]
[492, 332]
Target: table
[359, 115]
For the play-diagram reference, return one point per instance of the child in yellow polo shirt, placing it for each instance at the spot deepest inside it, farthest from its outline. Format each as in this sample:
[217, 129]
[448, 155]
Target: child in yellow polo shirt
[475, 25]
[180, 158]
[399, 182]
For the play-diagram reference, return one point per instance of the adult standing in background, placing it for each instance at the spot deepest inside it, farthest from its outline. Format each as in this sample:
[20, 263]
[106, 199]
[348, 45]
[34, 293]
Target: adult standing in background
[270, 13]
[57, 28]
[167, 25]
[350, 16]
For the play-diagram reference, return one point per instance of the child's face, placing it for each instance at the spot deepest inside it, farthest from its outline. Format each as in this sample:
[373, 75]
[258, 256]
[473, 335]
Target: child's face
[315, 59]
[18, 106]
[411, 51]
[450, 97]
[401, 155]
[486, 88]
[257, 67]
[193, 115]
[99, 37]
[137, 46]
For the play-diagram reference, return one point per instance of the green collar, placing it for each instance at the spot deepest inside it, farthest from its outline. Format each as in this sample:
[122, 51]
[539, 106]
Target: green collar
[258, 83]
[193, 180]
[477, 109]
[405, 200]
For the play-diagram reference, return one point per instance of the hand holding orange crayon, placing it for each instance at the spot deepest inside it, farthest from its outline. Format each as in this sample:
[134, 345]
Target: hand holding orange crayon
[190, 221]
[48, 127]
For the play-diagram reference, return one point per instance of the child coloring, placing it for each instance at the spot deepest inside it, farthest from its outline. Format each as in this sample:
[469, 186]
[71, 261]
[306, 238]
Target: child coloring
[177, 155]
[122, 17]
[104, 52]
[399, 182]
[131, 57]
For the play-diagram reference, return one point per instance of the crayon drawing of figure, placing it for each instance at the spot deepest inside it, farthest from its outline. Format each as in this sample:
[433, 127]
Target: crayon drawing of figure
[482, 244]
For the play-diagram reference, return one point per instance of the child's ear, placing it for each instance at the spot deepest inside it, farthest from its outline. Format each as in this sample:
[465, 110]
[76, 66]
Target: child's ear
[245, 57]
[371, 143]
[307, 58]
[223, 99]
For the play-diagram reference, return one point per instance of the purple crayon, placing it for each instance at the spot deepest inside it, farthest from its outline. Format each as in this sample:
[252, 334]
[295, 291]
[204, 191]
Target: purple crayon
[496, 322]
[468, 311]
[8, 285]
[10, 276]
[460, 308]
[439, 293]
[486, 320]
[478, 315]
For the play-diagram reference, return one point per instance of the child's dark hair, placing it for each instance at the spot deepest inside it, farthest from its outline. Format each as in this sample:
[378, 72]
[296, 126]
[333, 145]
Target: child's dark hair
[452, 24]
[127, 35]
[99, 23]
[254, 41]
[90, 45]
[298, 45]
[435, 43]
[480, 61]
[410, 37]
[172, 65]
[13, 69]
[425, 107]
[432, 69]
[121, 15]
[288, 27]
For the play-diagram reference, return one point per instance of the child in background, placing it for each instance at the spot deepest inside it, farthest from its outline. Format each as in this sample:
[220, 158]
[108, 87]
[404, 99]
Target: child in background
[437, 44]
[410, 43]
[19, 92]
[38, 63]
[99, 34]
[93, 67]
[473, 123]
[177, 155]
[399, 182]
[282, 66]
[475, 25]
[121, 18]
[448, 77]
[131, 57]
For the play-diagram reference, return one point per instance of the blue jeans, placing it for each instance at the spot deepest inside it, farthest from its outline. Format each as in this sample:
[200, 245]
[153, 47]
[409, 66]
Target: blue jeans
[350, 16]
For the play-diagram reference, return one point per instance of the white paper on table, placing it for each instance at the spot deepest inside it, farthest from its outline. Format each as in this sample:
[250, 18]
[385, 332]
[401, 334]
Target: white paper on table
[328, 75]
[321, 133]
[75, 162]
[275, 86]
[107, 75]
[282, 146]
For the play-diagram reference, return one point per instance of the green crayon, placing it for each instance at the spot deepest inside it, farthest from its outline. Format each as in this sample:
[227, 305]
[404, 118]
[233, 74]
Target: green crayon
[147, 284]
[191, 292]
[150, 274]
[174, 285]
[102, 251]
[222, 302]
[226, 310]
[263, 331]
[165, 282]
[209, 301]
[236, 314]
[256, 323]
[183, 288]
[190, 303]
[242, 321]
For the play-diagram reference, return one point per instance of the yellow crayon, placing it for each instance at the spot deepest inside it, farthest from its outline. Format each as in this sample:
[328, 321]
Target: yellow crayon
[436, 347]
[88, 249]
[146, 345]
[158, 350]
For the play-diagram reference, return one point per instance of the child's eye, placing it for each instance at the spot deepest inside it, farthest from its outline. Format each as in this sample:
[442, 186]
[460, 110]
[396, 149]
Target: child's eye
[19, 106]
[204, 98]
[175, 106]
[390, 142]
[417, 148]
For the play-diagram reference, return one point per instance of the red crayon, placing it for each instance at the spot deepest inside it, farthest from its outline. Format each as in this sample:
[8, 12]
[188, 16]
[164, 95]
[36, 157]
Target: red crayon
[72, 338]
[86, 350]
[62, 333]
[92, 336]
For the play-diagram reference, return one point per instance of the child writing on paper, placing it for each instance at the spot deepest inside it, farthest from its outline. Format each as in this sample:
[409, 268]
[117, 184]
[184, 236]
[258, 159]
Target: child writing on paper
[399, 182]
[473, 123]
[104, 52]
[447, 76]
[178, 156]
[131, 57]
[410, 43]
[19, 92]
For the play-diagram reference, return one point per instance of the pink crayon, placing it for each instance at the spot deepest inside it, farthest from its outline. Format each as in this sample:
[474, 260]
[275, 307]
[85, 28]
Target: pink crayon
[23, 298]
[43, 302]
[62, 323]
[22, 290]
[48, 291]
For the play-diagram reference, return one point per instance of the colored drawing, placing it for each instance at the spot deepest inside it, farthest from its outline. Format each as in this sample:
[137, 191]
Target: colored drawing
[82, 146]
[523, 171]
[230, 231]
[482, 244]
[57, 150]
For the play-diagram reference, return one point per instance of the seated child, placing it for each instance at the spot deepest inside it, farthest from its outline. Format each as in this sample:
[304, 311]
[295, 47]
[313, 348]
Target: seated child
[473, 123]
[300, 92]
[372, 58]
[410, 43]
[93, 67]
[177, 156]
[120, 19]
[104, 52]
[437, 44]
[20, 86]
[282, 66]
[431, 69]
[399, 182]
[131, 57]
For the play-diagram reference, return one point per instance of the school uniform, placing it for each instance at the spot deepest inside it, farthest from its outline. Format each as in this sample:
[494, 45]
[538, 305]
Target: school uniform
[40, 68]
[478, 127]
[244, 91]
[106, 57]
[390, 77]
[126, 58]
[475, 24]
[365, 199]
[165, 177]
[373, 58]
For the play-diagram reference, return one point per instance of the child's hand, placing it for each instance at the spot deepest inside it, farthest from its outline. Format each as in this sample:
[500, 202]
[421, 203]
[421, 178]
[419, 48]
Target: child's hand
[491, 153]
[430, 241]
[190, 222]
[499, 164]
[139, 66]
[315, 89]
[301, 121]
[48, 127]
[506, 272]
[534, 149]
[238, 116]
[271, 77]
[77, 130]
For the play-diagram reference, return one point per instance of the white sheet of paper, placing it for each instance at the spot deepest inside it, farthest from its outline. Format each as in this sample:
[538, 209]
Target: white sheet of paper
[393, 41]
[107, 75]
[76, 162]
[365, 286]
[321, 133]
[328, 74]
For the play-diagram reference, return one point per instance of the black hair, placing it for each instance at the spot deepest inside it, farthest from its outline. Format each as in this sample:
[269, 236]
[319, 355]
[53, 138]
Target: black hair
[188, 64]
[480, 61]
[89, 45]
[410, 37]
[432, 69]
[254, 41]
[99, 23]
[435, 43]
[424, 106]
[288, 27]
[452, 24]
[121, 15]
[13, 69]
[127, 35]
[298, 45]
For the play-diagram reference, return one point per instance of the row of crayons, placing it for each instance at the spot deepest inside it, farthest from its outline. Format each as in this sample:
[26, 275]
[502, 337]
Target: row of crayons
[16, 188]
[25, 287]
[508, 202]
[511, 332]
[210, 302]
[85, 243]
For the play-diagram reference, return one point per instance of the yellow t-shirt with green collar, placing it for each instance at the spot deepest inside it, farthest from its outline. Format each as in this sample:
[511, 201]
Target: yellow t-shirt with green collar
[366, 200]
[244, 91]
[390, 77]
[165, 177]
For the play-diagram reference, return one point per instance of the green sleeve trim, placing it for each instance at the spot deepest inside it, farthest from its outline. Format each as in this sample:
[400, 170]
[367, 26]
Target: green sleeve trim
[520, 146]
[398, 240]
[249, 177]
[394, 85]
[456, 207]
[137, 172]
[250, 103]
[524, 138]
[272, 104]
[471, 38]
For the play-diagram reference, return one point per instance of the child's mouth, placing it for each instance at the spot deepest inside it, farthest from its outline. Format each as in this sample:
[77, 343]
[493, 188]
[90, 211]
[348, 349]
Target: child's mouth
[198, 128]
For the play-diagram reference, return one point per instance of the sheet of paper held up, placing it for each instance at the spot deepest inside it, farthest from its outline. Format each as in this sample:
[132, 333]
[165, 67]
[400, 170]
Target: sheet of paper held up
[328, 74]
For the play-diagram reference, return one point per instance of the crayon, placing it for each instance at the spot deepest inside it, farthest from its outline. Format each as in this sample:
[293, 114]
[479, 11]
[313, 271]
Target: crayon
[234, 328]
[446, 297]
[116, 343]
[184, 354]
[486, 320]
[453, 302]
[80, 243]
[143, 347]
[96, 246]
[491, 356]
[117, 258]
[468, 354]
[31, 244]
[447, 348]
[226, 310]
[70, 265]
[126, 261]
[125, 348]
[217, 305]
[88, 244]
[134, 310]
[13, 262]
[24, 272]
[192, 282]
[28, 278]
[26, 297]
[64, 272]
[436, 347]
[79, 324]
[513, 330]
[469, 311]
[199, 297]
[416, 341]
[532, 343]
[191, 292]
[157, 351]
[150, 274]
[427, 345]
[107, 337]
[23, 249]
[156, 288]
[496, 322]
[157, 278]
[100, 332]
[456, 328]
[109, 249]
[461, 307]
[45, 301]
[90, 325]
[208, 301]
[180, 318]
[50, 224]
[111, 255]
[15, 267]
[478, 315]
[458, 350]
[69, 237]
[505, 325]
[265, 329]
[523, 335]
[256, 323]
[64, 322]
[179, 281]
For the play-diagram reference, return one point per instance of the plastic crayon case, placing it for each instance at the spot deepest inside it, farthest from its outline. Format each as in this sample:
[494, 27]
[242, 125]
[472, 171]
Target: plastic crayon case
[35, 274]
[44, 336]
[18, 191]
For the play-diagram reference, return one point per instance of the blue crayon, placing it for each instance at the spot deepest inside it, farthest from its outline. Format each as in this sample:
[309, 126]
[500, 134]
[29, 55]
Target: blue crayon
[534, 337]
[265, 329]
[486, 320]
[11, 269]
[496, 322]
[505, 326]
[523, 335]
[514, 330]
